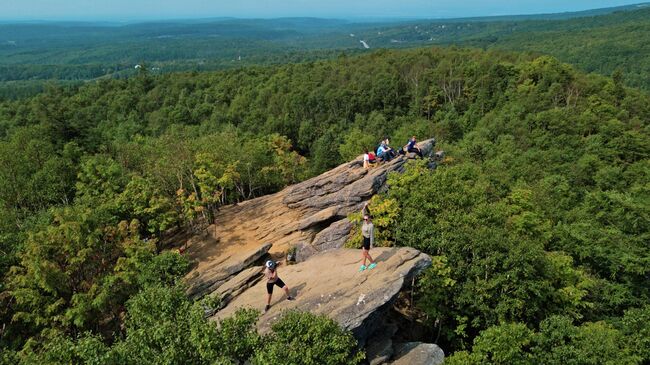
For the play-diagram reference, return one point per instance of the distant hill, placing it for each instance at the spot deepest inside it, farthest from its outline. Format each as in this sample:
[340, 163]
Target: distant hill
[602, 43]
[600, 40]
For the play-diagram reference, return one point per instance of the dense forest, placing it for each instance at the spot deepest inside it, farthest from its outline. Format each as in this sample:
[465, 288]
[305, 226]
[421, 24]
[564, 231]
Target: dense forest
[538, 219]
[602, 44]
[602, 41]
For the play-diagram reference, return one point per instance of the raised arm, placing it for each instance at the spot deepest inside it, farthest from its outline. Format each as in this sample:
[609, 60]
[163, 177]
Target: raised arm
[365, 210]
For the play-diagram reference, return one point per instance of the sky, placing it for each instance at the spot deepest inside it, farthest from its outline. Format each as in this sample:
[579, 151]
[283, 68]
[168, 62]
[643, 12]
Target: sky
[113, 10]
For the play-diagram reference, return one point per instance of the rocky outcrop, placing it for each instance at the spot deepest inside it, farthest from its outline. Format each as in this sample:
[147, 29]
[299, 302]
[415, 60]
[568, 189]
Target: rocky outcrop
[330, 283]
[417, 353]
[310, 215]
[223, 262]
[333, 236]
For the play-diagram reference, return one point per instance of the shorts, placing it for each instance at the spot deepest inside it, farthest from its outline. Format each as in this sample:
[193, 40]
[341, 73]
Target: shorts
[366, 243]
[278, 282]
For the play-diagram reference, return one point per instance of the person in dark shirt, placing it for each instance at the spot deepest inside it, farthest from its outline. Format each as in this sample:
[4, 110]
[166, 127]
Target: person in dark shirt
[411, 147]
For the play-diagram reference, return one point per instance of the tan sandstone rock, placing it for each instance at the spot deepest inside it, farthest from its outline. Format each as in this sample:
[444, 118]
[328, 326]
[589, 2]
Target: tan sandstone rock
[330, 283]
[311, 214]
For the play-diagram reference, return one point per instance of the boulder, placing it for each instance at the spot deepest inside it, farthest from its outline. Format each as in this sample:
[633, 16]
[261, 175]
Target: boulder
[379, 352]
[418, 353]
[333, 236]
[379, 348]
[238, 283]
[225, 261]
[330, 283]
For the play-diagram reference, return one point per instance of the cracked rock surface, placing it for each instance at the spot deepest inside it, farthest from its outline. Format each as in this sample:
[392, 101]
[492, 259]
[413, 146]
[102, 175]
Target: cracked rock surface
[330, 283]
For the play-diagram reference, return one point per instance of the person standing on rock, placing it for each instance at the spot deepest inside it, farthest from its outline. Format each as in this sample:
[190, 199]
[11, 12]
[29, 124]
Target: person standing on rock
[271, 273]
[368, 233]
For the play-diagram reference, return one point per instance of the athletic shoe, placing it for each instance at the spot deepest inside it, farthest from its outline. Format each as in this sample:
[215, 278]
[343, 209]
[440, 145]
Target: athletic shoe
[266, 309]
[291, 298]
[372, 266]
[363, 267]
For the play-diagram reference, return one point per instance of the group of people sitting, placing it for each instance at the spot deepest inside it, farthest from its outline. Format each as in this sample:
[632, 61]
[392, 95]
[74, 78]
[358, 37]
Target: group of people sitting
[386, 153]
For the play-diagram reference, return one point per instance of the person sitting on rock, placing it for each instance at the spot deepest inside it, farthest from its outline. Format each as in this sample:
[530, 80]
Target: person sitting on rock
[381, 150]
[412, 148]
[368, 233]
[385, 152]
[368, 158]
[271, 273]
[390, 149]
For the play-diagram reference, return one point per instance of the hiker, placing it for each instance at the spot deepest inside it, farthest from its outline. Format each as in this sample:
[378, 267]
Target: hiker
[381, 152]
[368, 233]
[365, 211]
[385, 152]
[412, 148]
[368, 158]
[271, 273]
[391, 151]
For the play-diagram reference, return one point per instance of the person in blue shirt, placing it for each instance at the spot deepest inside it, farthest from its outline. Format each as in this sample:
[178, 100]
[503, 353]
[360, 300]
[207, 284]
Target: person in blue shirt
[385, 152]
[382, 153]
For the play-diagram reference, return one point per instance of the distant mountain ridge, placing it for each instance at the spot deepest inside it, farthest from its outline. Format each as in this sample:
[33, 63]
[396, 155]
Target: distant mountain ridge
[599, 40]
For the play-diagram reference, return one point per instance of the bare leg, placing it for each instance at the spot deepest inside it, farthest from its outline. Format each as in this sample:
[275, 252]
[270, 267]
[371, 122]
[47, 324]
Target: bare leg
[286, 290]
[363, 255]
[367, 253]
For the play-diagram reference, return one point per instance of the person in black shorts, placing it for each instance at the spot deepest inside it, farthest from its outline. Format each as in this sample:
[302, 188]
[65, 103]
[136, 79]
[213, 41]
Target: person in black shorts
[272, 279]
[411, 147]
[368, 233]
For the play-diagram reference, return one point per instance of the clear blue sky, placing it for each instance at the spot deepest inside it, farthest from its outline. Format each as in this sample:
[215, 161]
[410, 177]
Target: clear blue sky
[160, 9]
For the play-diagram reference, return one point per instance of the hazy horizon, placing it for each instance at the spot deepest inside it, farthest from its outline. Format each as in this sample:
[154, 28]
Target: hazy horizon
[130, 11]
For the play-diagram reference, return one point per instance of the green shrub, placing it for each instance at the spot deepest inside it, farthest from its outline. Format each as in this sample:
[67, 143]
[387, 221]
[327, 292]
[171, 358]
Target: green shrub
[305, 338]
[384, 212]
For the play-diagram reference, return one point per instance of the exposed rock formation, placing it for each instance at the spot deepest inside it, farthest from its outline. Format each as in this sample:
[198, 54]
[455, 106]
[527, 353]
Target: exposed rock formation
[379, 347]
[330, 283]
[224, 261]
[418, 353]
[311, 215]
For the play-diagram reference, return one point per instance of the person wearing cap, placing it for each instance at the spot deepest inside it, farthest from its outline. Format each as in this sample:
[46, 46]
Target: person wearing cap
[272, 279]
[368, 233]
